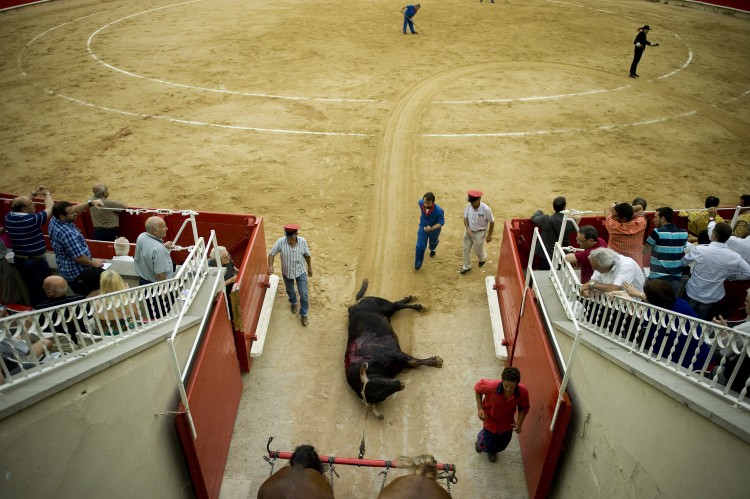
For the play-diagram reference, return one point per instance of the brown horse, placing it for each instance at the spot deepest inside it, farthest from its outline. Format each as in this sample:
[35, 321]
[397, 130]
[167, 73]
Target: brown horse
[302, 478]
[421, 484]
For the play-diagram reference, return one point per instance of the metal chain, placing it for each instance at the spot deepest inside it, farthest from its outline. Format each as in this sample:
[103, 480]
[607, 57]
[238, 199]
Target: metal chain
[272, 462]
[364, 433]
[331, 471]
[449, 477]
[385, 474]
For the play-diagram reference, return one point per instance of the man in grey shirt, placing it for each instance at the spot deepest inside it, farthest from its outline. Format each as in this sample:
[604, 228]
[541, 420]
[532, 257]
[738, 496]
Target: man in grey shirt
[152, 260]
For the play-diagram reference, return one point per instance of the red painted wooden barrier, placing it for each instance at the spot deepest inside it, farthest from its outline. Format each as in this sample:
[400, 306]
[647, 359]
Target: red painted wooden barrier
[213, 390]
[533, 355]
[252, 284]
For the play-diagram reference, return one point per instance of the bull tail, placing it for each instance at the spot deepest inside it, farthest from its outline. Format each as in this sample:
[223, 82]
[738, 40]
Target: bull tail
[362, 290]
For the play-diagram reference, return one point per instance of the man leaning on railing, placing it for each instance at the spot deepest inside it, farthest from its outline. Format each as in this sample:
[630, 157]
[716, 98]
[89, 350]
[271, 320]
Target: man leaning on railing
[611, 271]
[743, 373]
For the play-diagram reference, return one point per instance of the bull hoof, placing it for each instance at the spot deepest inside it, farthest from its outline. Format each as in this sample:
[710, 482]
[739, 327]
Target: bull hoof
[375, 412]
[420, 307]
[402, 384]
[438, 362]
[409, 299]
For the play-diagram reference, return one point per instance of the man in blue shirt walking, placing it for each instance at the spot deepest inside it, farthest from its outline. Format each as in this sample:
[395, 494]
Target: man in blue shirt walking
[431, 220]
[409, 12]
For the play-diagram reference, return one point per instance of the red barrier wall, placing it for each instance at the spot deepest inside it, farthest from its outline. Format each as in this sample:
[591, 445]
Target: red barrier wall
[533, 355]
[252, 284]
[213, 390]
[6, 4]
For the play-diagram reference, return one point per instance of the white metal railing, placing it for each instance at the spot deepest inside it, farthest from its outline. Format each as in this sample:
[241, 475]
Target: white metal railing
[682, 345]
[72, 330]
[181, 374]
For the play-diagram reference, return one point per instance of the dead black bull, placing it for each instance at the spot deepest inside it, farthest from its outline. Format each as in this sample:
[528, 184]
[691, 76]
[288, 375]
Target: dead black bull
[373, 355]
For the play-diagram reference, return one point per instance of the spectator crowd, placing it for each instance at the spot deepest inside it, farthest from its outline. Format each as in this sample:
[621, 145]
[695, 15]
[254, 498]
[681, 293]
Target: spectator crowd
[29, 283]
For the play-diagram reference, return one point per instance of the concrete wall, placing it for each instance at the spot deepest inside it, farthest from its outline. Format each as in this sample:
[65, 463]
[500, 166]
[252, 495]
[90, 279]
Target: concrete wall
[102, 436]
[640, 442]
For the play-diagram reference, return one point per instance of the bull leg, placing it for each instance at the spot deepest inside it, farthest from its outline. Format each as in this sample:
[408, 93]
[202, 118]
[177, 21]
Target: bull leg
[406, 303]
[375, 412]
[431, 362]
[363, 377]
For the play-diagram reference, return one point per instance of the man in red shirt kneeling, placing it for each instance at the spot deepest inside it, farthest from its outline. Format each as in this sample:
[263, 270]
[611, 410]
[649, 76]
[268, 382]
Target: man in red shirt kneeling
[497, 401]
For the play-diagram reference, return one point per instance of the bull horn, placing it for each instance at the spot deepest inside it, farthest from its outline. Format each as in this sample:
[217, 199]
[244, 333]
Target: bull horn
[364, 379]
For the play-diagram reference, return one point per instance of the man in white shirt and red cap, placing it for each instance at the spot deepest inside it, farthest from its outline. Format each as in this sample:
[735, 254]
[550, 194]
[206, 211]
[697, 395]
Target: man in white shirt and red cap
[294, 254]
[479, 223]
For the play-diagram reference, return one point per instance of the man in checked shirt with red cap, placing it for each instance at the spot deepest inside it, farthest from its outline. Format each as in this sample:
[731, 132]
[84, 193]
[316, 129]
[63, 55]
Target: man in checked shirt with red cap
[293, 251]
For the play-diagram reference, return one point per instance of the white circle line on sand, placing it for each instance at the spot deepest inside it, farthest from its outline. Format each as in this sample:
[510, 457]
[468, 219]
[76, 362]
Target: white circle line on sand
[31, 42]
[196, 87]
[534, 97]
[204, 123]
[561, 130]
[689, 60]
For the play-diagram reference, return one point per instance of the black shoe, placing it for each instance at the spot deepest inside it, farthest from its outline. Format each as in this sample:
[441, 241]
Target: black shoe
[476, 447]
[432, 254]
[463, 271]
[481, 264]
[417, 268]
[634, 75]
[492, 457]
[637, 76]
[295, 308]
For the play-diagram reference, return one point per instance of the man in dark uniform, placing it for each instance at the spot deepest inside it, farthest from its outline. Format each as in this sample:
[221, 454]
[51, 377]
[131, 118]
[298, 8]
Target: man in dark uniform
[640, 43]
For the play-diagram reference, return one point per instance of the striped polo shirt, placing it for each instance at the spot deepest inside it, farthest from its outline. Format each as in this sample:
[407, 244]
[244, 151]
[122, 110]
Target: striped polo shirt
[668, 246]
[292, 257]
[25, 231]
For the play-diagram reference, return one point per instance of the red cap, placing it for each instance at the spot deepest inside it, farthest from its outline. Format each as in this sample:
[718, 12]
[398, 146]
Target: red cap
[474, 193]
[291, 227]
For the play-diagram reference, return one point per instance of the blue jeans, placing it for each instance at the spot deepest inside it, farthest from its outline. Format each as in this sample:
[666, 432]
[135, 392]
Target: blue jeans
[493, 442]
[422, 240]
[34, 272]
[302, 288]
[701, 309]
[408, 22]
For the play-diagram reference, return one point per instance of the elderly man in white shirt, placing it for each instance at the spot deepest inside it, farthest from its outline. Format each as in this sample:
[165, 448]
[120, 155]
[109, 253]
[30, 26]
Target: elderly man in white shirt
[611, 271]
[479, 224]
[714, 263]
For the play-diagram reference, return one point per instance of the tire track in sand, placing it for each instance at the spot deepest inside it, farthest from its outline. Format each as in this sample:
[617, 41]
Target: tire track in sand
[395, 181]
[391, 235]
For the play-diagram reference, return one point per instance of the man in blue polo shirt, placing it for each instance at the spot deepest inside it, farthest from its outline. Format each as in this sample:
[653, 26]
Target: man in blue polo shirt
[431, 220]
[24, 226]
[667, 246]
[409, 12]
[72, 254]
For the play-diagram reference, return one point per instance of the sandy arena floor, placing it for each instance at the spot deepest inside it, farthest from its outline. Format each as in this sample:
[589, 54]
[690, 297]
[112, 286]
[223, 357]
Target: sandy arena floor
[323, 113]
